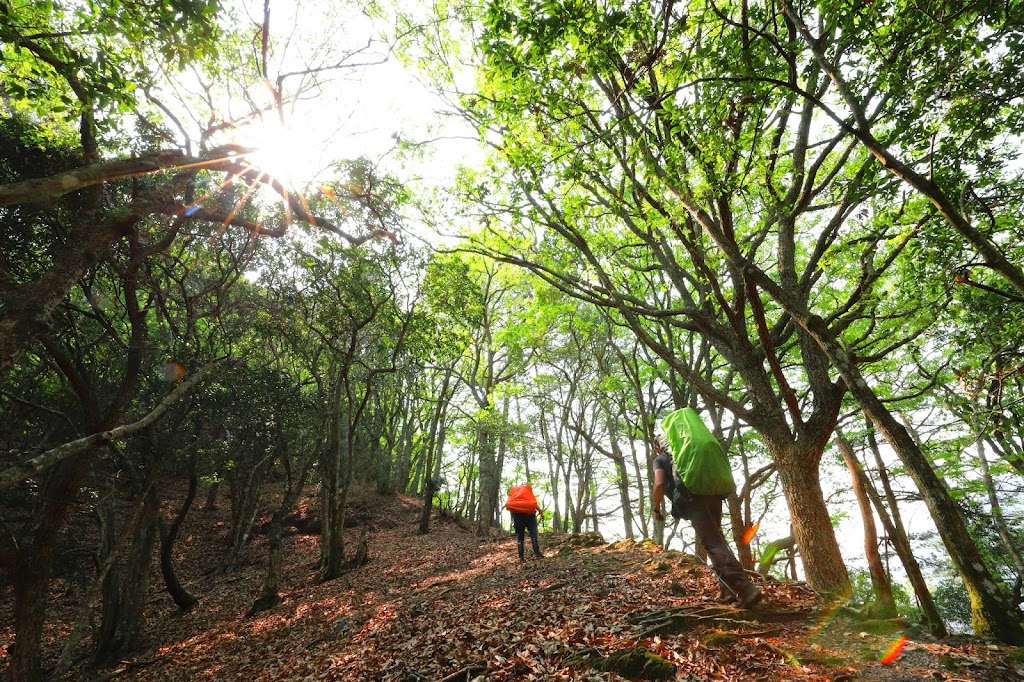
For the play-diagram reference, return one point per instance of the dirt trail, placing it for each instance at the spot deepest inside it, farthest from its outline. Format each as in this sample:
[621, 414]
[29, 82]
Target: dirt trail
[449, 605]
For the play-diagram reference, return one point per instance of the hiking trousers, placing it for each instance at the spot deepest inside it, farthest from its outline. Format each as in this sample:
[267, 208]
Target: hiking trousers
[706, 519]
[522, 523]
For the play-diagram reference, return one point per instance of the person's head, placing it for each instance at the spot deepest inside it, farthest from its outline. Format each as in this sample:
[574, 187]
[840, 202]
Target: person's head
[660, 444]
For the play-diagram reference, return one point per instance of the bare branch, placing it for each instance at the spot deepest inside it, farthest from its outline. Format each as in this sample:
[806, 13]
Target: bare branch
[44, 461]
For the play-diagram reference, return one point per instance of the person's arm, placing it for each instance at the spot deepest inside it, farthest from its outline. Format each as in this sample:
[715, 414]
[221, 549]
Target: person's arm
[658, 493]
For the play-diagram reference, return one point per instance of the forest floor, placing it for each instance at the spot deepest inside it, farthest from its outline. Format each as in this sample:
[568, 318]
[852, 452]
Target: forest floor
[451, 606]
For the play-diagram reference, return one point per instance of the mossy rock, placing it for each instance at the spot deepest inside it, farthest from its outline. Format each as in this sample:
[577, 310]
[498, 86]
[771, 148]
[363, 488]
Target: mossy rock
[659, 567]
[691, 561]
[636, 663]
[721, 639]
[1016, 655]
[574, 542]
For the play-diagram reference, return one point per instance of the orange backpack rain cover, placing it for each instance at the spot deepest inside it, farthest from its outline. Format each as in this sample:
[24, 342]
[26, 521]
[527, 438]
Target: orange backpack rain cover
[521, 499]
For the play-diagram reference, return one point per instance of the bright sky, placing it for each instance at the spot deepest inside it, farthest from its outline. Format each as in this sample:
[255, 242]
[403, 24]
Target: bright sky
[356, 110]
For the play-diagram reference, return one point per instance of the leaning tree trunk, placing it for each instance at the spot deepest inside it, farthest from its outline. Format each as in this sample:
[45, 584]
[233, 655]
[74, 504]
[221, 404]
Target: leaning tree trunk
[997, 515]
[898, 535]
[168, 536]
[990, 610]
[991, 613]
[884, 605]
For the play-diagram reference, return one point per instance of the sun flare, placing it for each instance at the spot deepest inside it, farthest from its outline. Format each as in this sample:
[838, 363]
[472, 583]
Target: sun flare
[291, 153]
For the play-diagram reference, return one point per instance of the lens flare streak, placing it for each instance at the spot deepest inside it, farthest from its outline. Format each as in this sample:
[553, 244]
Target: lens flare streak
[894, 650]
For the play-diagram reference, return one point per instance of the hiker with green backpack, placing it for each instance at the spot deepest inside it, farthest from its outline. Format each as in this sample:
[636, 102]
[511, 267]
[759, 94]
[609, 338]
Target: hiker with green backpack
[692, 471]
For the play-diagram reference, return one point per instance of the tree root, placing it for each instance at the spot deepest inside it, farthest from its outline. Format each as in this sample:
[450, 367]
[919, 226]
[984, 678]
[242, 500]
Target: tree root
[681, 618]
[467, 673]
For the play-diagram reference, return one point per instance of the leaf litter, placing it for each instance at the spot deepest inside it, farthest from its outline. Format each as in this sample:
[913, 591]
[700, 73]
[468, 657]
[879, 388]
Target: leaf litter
[450, 605]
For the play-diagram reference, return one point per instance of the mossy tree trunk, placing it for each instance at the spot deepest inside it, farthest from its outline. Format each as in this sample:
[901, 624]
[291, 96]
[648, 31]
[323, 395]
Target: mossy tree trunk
[884, 605]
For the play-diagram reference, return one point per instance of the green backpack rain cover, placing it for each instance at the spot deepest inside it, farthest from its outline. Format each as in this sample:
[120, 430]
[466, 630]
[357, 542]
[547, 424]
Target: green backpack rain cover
[697, 455]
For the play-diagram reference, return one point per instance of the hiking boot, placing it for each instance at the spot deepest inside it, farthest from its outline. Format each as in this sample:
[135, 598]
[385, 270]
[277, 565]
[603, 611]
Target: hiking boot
[749, 597]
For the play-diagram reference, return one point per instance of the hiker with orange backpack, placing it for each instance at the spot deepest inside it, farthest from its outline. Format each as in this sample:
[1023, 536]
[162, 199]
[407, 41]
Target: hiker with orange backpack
[523, 505]
[691, 467]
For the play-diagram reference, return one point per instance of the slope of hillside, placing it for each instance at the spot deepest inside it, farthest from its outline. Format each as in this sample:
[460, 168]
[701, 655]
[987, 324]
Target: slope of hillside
[450, 606]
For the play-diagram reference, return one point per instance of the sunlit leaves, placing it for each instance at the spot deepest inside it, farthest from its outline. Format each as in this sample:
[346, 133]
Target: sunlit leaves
[62, 58]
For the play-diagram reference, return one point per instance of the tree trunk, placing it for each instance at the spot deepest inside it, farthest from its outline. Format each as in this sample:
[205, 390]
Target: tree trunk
[884, 605]
[489, 481]
[403, 451]
[990, 610]
[31, 576]
[991, 614]
[901, 543]
[124, 595]
[270, 592]
[418, 463]
[739, 522]
[435, 444]
[812, 526]
[168, 535]
[997, 515]
[622, 476]
[331, 541]
[428, 494]
[245, 507]
[556, 511]
[211, 494]
[898, 535]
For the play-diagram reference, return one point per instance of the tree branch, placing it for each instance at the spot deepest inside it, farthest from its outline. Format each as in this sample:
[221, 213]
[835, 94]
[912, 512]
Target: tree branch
[44, 461]
[62, 183]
